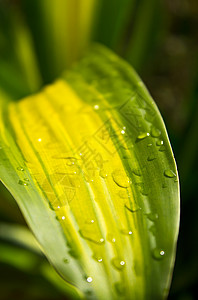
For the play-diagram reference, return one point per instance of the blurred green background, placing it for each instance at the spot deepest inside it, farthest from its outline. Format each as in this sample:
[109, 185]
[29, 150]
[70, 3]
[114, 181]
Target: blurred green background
[38, 41]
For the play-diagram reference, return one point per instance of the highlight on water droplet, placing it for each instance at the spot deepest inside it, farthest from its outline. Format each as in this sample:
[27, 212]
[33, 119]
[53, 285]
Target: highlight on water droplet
[155, 132]
[122, 131]
[120, 178]
[143, 135]
[169, 174]
[119, 264]
[63, 217]
[158, 254]
[70, 161]
[92, 235]
[159, 143]
[21, 182]
[111, 238]
[126, 232]
[89, 279]
[103, 173]
[20, 169]
[39, 140]
[98, 258]
[96, 107]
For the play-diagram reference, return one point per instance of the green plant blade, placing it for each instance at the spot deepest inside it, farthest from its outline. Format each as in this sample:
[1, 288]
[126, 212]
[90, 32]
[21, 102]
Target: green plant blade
[89, 162]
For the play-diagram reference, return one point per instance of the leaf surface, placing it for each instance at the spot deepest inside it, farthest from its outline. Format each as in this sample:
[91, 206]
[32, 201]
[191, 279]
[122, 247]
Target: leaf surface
[89, 162]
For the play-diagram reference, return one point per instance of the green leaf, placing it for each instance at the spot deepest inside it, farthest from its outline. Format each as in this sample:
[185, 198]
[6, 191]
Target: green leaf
[89, 162]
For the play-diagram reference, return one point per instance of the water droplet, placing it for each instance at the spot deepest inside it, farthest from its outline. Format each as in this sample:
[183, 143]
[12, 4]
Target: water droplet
[151, 157]
[162, 148]
[153, 230]
[119, 264]
[158, 253]
[89, 279]
[20, 169]
[65, 260]
[73, 253]
[137, 172]
[132, 207]
[98, 258]
[155, 132]
[143, 135]
[103, 173]
[92, 236]
[96, 107]
[123, 131]
[26, 179]
[152, 216]
[126, 232]
[149, 145]
[120, 178]
[39, 140]
[123, 194]
[159, 143]
[119, 288]
[142, 188]
[63, 217]
[169, 173]
[111, 238]
[21, 182]
[70, 161]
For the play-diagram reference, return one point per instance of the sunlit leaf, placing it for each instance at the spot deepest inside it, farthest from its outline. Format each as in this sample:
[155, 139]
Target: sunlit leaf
[89, 162]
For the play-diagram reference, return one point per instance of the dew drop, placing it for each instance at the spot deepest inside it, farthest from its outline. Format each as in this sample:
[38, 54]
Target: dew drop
[137, 172]
[92, 236]
[39, 140]
[162, 148]
[103, 173]
[111, 238]
[63, 217]
[120, 178]
[122, 131]
[26, 179]
[151, 157]
[158, 254]
[153, 230]
[119, 288]
[155, 132]
[21, 182]
[98, 258]
[126, 232]
[123, 194]
[132, 207]
[65, 260]
[89, 279]
[143, 135]
[149, 145]
[169, 173]
[20, 169]
[70, 161]
[152, 216]
[96, 107]
[119, 264]
[159, 143]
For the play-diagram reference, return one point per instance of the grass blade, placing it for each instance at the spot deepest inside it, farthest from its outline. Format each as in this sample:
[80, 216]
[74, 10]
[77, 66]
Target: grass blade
[89, 162]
